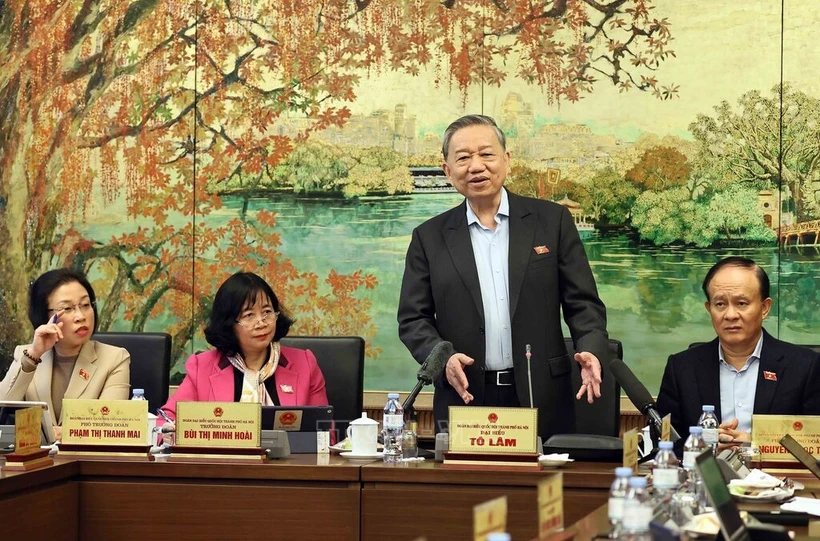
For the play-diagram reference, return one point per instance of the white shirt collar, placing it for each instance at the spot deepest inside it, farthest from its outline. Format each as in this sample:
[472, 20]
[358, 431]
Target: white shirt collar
[503, 210]
[755, 354]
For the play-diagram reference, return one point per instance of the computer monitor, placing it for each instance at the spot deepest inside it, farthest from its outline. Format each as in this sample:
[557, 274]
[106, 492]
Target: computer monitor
[297, 418]
[731, 525]
[800, 453]
[300, 423]
[8, 409]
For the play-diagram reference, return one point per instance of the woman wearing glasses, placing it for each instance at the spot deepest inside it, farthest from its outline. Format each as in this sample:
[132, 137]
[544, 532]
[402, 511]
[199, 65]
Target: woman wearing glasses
[248, 364]
[62, 361]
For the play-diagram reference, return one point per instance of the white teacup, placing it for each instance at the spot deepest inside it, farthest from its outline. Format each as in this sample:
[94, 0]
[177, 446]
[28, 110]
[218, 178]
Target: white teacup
[363, 434]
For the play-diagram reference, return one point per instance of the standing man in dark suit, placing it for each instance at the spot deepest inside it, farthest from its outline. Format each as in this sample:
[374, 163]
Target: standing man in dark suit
[491, 276]
[744, 370]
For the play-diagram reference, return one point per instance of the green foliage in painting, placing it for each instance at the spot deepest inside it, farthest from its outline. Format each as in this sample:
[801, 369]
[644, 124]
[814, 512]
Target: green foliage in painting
[672, 216]
[743, 144]
[664, 217]
[609, 197]
[313, 166]
[375, 170]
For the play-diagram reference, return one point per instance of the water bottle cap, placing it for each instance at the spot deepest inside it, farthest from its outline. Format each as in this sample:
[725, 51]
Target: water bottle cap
[637, 482]
[665, 445]
[498, 536]
[139, 391]
[623, 472]
[695, 430]
[392, 396]
[708, 408]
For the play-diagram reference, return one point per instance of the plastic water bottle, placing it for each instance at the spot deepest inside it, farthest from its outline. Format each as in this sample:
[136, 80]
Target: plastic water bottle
[638, 510]
[666, 475]
[151, 435]
[693, 446]
[392, 427]
[709, 423]
[409, 441]
[615, 505]
[691, 449]
[684, 505]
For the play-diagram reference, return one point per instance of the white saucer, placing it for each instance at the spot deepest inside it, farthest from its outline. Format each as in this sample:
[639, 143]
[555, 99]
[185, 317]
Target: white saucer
[360, 456]
[345, 446]
[554, 462]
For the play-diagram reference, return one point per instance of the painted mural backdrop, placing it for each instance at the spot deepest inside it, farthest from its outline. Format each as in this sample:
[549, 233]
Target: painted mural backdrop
[162, 146]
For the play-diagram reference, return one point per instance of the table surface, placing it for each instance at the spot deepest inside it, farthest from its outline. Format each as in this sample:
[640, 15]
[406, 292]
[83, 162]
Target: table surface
[357, 499]
[100, 491]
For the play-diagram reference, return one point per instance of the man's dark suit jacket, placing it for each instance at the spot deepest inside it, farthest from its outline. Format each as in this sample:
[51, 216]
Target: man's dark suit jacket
[441, 300]
[692, 379]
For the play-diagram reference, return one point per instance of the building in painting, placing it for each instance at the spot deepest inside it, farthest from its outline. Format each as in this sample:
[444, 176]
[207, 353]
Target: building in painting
[583, 221]
[516, 116]
[769, 203]
[394, 129]
[552, 145]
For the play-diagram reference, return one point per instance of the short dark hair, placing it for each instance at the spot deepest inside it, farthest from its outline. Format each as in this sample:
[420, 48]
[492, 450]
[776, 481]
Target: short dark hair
[45, 284]
[237, 291]
[470, 120]
[744, 263]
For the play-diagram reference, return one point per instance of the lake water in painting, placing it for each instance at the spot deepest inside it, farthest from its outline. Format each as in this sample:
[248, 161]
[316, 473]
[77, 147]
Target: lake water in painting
[653, 296]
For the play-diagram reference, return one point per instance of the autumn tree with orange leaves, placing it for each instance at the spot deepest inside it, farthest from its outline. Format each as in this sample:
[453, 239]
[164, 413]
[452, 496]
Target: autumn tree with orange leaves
[143, 104]
[660, 168]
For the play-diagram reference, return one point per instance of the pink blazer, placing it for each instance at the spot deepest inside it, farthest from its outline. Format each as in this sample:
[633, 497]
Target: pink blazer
[209, 378]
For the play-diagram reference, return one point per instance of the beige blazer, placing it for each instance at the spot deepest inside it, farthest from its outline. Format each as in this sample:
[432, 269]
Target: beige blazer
[101, 371]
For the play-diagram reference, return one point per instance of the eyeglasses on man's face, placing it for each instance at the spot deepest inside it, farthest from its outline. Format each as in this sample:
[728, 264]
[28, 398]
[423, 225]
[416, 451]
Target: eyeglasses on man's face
[69, 310]
[249, 319]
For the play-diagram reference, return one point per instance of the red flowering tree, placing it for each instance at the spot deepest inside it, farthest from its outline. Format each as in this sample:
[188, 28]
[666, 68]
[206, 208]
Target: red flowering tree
[144, 105]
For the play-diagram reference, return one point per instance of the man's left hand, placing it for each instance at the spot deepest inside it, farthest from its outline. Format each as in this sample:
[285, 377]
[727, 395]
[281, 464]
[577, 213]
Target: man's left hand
[590, 376]
[730, 436]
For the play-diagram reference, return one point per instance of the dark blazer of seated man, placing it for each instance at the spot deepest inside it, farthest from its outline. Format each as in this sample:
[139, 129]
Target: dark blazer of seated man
[743, 371]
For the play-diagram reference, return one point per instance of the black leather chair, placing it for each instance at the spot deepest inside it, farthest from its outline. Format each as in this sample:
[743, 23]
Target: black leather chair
[150, 362]
[341, 359]
[597, 425]
[603, 416]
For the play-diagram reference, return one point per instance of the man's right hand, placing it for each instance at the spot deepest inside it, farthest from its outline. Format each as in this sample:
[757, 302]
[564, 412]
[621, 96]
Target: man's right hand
[456, 376]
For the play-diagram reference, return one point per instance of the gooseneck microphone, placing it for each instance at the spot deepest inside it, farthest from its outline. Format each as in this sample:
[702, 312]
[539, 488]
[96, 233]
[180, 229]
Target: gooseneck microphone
[528, 354]
[639, 396]
[430, 369]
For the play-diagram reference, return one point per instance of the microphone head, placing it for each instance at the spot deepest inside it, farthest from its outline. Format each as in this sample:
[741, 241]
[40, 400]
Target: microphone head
[433, 365]
[632, 386]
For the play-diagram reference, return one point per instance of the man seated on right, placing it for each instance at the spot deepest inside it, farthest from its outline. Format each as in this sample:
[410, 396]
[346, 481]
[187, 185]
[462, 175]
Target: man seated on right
[745, 370]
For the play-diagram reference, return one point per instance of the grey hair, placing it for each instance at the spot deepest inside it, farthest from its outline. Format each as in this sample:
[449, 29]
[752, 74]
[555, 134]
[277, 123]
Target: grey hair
[471, 120]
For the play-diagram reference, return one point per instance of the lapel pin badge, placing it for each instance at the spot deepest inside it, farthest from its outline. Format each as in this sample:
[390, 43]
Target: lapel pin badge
[83, 374]
[541, 250]
[771, 376]
[286, 388]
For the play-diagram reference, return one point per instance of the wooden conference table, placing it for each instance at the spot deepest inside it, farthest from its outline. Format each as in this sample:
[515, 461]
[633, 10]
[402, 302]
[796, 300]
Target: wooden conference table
[303, 497]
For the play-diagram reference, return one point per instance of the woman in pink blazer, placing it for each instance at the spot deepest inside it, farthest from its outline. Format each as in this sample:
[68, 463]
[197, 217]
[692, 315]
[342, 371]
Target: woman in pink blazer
[248, 364]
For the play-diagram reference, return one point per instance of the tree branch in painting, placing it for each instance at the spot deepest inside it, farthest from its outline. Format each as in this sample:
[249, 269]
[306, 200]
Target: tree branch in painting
[149, 107]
